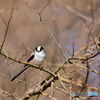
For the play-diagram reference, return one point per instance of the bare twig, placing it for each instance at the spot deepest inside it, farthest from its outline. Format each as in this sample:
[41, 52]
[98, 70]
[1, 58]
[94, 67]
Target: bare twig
[8, 94]
[18, 80]
[44, 85]
[7, 28]
[41, 87]
[68, 51]
[22, 62]
[3, 20]
[51, 35]
[87, 76]
[38, 74]
[73, 49]
[44, 6]
[40, 19]
[76, 12]
[52, 89]
[91, 33]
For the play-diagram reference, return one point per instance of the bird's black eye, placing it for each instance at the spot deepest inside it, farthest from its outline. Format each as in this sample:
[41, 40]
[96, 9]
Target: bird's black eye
[39, 48]
[36, 49]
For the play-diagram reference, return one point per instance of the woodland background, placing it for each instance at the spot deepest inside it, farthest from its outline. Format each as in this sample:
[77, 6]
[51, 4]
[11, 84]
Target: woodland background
[66, 20]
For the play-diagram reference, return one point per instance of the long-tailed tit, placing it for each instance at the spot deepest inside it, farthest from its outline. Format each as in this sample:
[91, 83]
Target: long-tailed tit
[36, 58]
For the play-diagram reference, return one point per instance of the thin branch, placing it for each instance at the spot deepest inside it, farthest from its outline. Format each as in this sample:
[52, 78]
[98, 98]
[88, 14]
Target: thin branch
[40, 19]
[76, 12]
[52, 89]
[92, 56]
[53, 38]
[7, 28]
[18, 80]
[84, 67]
[44, 6]
[87, 76]
[91, 11]
[73, 48]
[88, 58]
[3, 20]
[68, 51]
[8, 94]
[48, 95]
[38, 89]
[22, 62]
[43, 86]
[90, 32]
[38, 74]
[64, 87]
[38, 97]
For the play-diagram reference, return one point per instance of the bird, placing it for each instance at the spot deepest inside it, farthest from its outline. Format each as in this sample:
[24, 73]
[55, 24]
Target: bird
[37, 57]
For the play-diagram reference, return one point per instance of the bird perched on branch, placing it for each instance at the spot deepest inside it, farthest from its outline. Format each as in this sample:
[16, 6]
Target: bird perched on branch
[37, 58]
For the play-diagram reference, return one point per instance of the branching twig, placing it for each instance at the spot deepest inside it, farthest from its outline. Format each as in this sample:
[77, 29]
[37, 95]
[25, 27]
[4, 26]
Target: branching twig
[90, 32]
[7, 28]
[18, 80]
[22, 62]
[44, 7]
[76, 12]
[3, 20]
[8, 94]
[87, 76]
[38, 89]
[41, 20]
[51, 35]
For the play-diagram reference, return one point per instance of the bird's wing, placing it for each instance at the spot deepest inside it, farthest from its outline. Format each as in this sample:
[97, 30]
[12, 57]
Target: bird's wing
[31, 57]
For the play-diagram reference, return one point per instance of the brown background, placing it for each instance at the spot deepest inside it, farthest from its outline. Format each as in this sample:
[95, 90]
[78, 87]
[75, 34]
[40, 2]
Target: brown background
[27, 29]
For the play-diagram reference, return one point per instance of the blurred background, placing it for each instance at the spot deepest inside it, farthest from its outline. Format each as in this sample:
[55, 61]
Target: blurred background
[26, 29]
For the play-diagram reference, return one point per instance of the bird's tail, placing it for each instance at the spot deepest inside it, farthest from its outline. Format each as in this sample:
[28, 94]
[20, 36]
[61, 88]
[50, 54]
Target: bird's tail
[19, 73]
